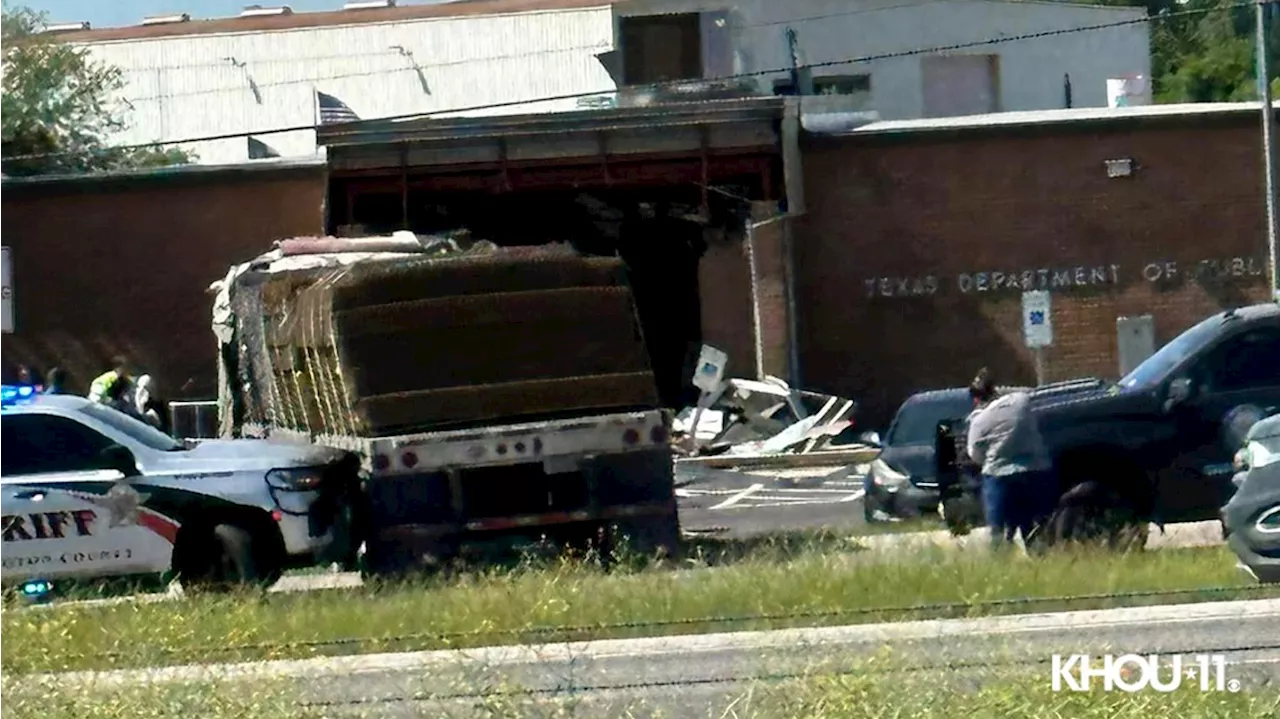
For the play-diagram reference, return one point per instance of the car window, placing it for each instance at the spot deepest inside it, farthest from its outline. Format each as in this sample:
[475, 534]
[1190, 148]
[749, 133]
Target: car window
[1249, 360]
[48, 443]
[135, 429]
[1154, 368]
[917, 422]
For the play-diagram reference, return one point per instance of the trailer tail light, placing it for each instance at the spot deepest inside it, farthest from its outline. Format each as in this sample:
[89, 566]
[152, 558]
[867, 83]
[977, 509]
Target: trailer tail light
[631, 436]
[658, 434]
[381, 462]
[409, 459]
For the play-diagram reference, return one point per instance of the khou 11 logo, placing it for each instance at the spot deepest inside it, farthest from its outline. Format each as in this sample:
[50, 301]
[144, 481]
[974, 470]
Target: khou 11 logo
[1132, 673]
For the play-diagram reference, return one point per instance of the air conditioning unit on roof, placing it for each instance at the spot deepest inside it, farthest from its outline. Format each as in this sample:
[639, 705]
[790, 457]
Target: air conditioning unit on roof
[259, 11]
[166, 19]
[65, 27]
[368, 4]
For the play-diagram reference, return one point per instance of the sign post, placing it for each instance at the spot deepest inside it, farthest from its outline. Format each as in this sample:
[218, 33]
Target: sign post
[708, 377]
[1037, 326]
[6, 273]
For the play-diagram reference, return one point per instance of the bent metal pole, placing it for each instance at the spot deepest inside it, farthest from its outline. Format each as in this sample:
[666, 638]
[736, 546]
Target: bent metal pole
[1268, 142]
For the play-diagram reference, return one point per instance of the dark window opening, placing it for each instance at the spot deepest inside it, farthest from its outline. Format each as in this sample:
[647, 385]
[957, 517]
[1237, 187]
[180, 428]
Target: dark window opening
[661, 48]
[36, 443]
[842, 84]
[259, 150]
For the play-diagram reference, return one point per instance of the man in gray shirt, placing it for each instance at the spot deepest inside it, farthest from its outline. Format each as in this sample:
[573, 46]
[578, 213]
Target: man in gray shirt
[1019, 489]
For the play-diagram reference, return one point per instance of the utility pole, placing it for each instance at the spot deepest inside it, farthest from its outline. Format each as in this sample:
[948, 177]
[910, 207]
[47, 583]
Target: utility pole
[1268, 143]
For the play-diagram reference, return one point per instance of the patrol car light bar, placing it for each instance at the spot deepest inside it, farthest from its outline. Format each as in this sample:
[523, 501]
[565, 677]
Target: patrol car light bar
[11, 394]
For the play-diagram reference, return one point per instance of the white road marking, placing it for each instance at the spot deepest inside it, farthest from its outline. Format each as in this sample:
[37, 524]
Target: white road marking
[740, 496]
[809, 490]
[774, 498]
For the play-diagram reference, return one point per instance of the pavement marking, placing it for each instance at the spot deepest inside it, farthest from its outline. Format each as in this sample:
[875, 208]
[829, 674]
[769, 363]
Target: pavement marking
[802, 497]
[740, 496]
[877, 634]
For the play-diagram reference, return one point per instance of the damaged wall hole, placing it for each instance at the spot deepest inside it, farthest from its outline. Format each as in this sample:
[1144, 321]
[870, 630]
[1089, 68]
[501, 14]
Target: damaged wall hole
[659, 232]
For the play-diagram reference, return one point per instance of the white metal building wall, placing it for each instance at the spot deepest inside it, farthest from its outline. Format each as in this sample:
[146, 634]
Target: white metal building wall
[204, 85]
[208, 85]
[1030, 71]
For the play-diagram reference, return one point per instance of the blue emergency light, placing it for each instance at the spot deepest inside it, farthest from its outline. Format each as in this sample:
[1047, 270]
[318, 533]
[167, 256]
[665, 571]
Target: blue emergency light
[12, 394]
[36, 588]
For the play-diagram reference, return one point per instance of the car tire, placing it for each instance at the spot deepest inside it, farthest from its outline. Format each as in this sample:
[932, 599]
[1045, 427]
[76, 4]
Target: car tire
[226, 559]
[1110, 526]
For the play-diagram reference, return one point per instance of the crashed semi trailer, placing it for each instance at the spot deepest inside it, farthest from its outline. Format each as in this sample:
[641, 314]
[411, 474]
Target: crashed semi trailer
[492, 394]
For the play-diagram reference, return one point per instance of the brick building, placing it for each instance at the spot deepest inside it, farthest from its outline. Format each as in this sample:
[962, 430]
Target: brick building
[911, 241]
[119, 264]
[920, 237]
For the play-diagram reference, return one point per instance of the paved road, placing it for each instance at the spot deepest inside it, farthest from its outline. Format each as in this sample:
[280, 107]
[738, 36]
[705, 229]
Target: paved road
[735, 504]
[741, 504]
[697, 676]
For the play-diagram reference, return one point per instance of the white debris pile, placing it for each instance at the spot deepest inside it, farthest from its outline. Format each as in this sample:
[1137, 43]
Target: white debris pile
[743, 420]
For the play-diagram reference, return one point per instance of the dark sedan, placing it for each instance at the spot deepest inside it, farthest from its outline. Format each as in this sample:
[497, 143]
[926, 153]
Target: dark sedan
[1251, 521]
[902, 481]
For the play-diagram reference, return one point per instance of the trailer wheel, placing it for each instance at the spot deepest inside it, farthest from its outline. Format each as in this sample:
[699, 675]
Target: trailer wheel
[652, 538]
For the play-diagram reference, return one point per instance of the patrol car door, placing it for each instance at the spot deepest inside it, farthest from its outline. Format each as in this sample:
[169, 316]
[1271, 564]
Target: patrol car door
[62, 508]
[1243, 370]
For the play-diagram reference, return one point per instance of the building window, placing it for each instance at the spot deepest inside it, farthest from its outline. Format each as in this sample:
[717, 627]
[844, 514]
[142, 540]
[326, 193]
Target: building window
[842, 85]
[661, 48]
[259, 150]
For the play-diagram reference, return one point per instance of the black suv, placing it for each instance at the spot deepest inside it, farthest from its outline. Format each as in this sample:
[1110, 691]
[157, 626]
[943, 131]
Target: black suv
[1158, 445]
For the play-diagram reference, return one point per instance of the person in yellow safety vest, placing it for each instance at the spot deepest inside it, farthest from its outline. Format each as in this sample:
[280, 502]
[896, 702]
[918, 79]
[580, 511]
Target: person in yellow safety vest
[107, 387]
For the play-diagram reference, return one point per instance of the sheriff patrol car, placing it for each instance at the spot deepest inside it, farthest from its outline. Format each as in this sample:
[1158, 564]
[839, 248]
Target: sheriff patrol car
[91, 492]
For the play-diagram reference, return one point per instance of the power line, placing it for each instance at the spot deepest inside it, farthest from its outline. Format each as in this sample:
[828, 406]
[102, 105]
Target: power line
[394, 52]
[937, 49]
[417, 67]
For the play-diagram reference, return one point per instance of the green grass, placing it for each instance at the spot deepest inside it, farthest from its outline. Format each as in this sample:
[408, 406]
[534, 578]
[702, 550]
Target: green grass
[210, 700]
[576, 600]
[1020, 696]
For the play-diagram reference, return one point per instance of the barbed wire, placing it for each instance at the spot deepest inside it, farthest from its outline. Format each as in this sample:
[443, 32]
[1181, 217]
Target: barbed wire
[609, 628]
[873, 669]
[937, 49]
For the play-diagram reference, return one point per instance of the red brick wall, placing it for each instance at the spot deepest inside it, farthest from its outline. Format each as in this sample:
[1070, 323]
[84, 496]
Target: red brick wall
[929, 209]
[102, 267]
[724, 293]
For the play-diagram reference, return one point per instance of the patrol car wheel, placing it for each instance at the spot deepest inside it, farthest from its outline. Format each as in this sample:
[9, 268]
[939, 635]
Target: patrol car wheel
[226, 559]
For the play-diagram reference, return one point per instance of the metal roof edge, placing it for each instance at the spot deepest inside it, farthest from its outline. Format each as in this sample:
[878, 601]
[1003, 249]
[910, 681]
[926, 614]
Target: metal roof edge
[428, 129]
[327, 18]
[1055, 118]
[166, 172]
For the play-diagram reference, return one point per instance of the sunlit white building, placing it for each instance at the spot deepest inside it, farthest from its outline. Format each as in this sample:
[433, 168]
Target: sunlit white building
[252, 86]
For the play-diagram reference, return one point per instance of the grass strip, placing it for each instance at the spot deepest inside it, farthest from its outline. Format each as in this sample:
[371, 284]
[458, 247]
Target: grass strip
[1020, 696]
[207, 700]
[530, 603]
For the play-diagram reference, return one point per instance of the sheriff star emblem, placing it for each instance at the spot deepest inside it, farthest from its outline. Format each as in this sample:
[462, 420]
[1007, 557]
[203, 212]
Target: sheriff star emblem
[123, 502]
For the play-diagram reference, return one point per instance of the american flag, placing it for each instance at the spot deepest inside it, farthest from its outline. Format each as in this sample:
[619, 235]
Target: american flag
[334, 110]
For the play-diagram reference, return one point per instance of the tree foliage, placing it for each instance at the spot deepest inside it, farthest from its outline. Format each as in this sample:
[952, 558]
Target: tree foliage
[1203, 50]
[59, 106]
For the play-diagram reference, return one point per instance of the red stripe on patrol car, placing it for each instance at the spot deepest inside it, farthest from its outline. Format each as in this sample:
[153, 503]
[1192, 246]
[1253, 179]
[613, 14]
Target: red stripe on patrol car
[166, 528]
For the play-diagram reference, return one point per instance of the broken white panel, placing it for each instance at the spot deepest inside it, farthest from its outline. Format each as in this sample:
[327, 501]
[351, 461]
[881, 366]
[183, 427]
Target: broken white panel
[710, 423]
[7, 321]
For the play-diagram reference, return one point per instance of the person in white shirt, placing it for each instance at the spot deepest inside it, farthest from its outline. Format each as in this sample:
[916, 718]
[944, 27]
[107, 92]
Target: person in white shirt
[1019, 488]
